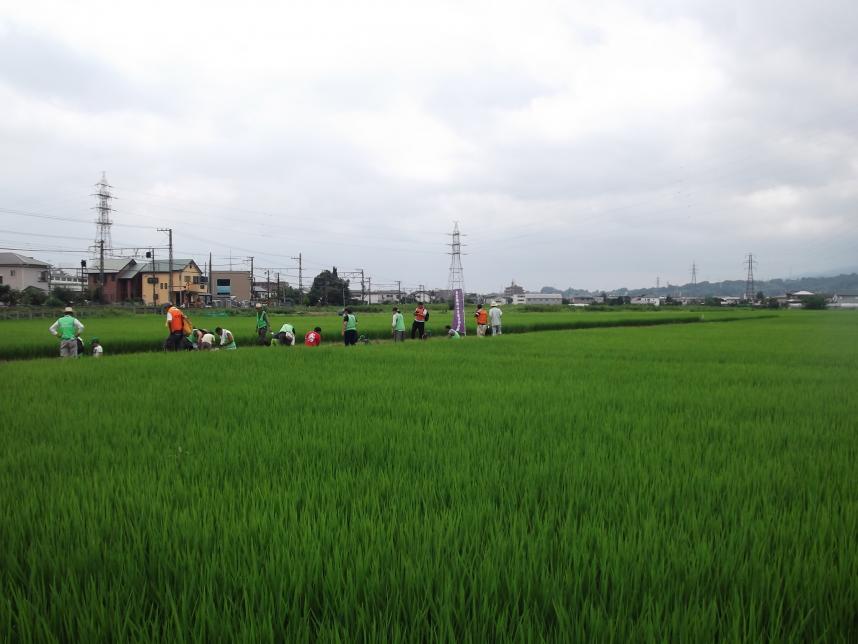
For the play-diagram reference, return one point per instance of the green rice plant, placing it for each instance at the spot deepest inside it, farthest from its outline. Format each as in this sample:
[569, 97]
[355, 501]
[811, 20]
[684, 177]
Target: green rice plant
[674, 483]
[24, 339]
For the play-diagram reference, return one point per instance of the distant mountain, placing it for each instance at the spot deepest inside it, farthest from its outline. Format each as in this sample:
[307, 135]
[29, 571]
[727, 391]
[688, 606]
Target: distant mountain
[843, 283]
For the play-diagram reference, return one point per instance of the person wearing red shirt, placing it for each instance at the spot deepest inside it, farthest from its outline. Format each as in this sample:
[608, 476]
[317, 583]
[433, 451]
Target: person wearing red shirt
[313, 338]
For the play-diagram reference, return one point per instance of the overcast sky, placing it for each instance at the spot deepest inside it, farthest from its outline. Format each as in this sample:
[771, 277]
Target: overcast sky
[593, 145]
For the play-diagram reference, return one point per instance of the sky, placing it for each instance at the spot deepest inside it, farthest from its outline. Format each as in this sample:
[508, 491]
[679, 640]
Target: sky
[591, 145]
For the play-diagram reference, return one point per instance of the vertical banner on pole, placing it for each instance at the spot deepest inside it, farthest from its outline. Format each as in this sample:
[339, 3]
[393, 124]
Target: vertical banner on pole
[458, 322]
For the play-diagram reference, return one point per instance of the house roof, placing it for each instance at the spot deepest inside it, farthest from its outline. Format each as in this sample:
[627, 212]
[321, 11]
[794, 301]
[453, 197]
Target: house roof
[128, 268]
[111, 265]
[14, 259]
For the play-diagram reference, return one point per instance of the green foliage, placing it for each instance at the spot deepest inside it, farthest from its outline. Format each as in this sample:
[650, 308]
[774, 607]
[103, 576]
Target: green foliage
[815, 302]
[328, 288]
[9, 295]
[675, 483]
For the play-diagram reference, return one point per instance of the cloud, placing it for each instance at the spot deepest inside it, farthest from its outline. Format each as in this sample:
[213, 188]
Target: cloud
[575, 144]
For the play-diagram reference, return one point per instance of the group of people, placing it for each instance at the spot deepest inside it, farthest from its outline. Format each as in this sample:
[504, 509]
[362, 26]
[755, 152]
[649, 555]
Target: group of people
[68, 329]
[183, 336]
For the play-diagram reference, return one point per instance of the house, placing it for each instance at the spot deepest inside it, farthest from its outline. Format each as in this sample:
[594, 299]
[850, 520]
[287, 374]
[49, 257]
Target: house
[129, 279]
[20, 272]
[150, 282]
[112, 291]
[844, 301]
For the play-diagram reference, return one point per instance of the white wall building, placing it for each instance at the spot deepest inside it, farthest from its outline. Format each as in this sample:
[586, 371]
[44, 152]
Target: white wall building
[537, 298]
[20, 272]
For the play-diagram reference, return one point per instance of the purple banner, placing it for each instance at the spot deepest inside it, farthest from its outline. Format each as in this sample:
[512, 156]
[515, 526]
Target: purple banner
[458, 322]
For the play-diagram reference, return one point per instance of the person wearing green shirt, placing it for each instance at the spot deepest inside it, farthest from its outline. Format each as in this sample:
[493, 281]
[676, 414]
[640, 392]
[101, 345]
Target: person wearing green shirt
[349, 328]
[286, 335]
[398, 325]
[262, 323]
[452, 333]
[227, 341]
[67, 329]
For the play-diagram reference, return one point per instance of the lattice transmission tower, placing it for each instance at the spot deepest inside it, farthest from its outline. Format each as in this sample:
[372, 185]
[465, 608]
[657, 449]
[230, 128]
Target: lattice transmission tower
[103, 222]
[749, 280]
[457, 275]
[693, 272]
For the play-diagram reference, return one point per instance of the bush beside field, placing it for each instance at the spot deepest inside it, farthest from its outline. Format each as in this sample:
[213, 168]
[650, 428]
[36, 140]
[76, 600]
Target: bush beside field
[675, 483]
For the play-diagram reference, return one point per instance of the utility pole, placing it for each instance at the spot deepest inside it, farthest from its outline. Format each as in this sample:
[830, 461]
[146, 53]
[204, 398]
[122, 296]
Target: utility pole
[362, 289]
[210, 276]
[169, 231]
[101, 270]
[154, 280]
[398, 291]
[251, 278]
[278, 287]
[300, 273]
[369, 289]
[268, 283]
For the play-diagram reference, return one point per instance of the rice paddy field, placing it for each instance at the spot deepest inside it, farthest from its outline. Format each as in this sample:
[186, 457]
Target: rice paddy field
[23, 339]
[682, 482]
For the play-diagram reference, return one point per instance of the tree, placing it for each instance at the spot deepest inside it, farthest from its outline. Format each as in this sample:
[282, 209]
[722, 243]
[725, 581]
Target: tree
[329, 288]
[760, 297]
[34, 296]
[813, 302]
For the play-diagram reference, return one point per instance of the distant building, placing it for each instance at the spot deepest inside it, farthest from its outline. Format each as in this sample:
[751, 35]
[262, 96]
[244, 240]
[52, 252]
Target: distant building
[227, 285]
[513, 289]
[650, 300]
[73, 283]
[844, 301]
[127, 279]
[538, 298]
[20, 272]
[381, 297]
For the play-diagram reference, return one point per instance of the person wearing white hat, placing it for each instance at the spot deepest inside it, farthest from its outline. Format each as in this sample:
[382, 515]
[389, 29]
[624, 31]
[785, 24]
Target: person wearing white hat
[67, 329]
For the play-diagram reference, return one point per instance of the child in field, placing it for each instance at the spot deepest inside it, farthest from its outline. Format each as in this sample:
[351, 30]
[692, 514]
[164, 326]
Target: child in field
[227, 341]
[97, 350]
[314, 337]
[452, 333]
[206, 340]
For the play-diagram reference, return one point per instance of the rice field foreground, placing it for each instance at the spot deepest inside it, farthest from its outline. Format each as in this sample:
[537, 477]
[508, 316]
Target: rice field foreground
[671, 483]
[26, 339]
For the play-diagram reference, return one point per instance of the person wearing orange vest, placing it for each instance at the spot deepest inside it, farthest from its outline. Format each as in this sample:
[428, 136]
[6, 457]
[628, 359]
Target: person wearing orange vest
[176, 325]
[418, 327]
[482, 319]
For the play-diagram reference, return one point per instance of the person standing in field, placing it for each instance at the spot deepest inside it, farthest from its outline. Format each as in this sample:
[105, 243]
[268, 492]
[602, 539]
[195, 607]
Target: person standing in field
[349, 328]
[313, 338]
[97, 349]
[176, 327]
[418, 327]
[495, 318]
[67, 329]
[262, 323]
[482, 319]
[398, 325]
[286, 335]
[227, 341]
[452, 334]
